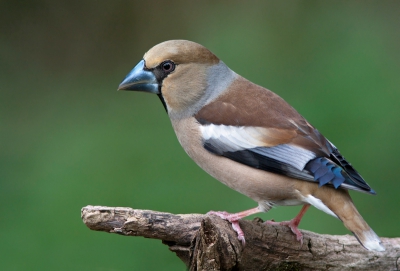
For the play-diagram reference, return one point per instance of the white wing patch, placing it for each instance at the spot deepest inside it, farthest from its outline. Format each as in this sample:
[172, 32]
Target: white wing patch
[234, 137]
[237, 138]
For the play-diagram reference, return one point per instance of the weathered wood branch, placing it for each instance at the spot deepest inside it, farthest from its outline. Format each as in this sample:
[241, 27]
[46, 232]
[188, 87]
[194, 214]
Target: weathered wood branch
[206, 242]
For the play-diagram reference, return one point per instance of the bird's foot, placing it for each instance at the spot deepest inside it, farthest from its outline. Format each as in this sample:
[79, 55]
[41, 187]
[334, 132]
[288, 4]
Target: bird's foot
[234, 220]
[292, 224]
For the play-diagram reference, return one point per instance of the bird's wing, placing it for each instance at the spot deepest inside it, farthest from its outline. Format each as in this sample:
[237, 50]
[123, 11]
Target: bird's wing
[268, 134]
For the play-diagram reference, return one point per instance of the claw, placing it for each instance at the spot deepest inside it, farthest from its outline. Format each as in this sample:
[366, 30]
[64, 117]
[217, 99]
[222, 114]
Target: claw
[239, 231]
[292, 225]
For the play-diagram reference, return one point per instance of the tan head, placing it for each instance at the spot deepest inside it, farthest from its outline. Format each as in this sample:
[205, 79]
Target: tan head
[180, 72]
[179, 51]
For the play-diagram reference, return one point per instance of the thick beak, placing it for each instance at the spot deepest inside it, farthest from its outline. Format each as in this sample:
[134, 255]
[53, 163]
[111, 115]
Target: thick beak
[140, 80]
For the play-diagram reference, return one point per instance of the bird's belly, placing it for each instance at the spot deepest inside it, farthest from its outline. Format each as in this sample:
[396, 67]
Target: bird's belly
[261, 186]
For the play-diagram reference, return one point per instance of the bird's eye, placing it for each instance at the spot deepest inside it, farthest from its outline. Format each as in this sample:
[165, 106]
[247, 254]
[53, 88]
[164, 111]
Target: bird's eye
[168, 66]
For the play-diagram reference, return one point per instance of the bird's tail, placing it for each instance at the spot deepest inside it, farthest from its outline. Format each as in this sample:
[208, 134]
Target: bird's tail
[357, 225]
[340, 204]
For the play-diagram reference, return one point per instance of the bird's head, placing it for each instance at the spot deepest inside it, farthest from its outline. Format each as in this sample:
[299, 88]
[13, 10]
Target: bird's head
[184, 74]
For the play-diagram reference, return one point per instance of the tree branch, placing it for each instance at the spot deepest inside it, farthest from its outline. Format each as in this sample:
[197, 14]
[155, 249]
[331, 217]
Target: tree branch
[206, 242]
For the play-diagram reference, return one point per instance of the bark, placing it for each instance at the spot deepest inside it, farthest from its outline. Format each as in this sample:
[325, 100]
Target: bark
[206, 242]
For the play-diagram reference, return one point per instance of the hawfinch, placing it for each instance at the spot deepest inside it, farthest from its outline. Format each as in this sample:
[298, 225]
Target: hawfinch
[249, 138]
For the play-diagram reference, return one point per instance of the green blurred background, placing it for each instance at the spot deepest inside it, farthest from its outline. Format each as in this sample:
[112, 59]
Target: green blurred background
[69, 139]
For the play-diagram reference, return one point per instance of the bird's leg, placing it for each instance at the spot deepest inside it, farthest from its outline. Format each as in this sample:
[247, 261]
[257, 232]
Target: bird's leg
[293, 224]
[234, 219]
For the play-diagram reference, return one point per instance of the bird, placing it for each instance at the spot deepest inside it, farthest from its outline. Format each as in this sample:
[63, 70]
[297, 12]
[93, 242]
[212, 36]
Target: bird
[250, 139]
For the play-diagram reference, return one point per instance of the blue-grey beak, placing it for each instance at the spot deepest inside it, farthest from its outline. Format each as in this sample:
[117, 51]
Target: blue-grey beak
[140, 79]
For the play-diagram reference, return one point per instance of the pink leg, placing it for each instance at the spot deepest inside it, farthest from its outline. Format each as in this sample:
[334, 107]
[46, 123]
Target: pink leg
[233, 218]
[293, 224]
